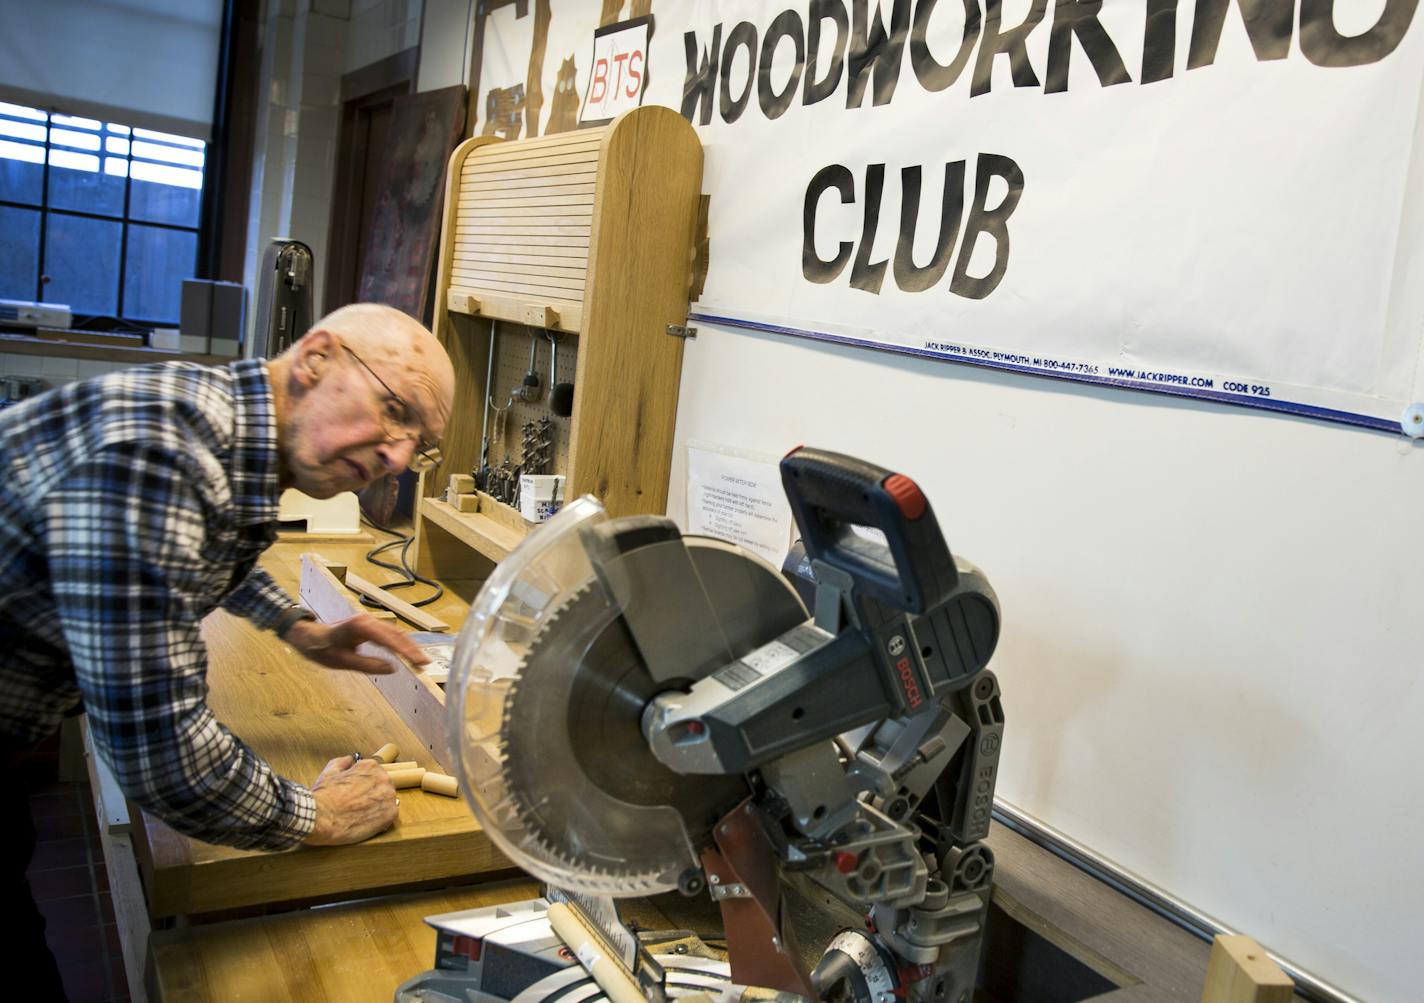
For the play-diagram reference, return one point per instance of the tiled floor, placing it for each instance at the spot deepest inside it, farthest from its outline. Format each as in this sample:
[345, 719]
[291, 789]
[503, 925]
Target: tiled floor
[71, 887]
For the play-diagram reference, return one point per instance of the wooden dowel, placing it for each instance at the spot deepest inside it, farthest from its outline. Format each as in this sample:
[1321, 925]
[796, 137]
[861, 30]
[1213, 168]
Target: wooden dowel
[593, 953]
[406, 778]
[439, 783]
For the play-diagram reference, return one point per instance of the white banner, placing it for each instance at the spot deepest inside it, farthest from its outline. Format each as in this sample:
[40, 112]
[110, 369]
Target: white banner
[1153, 194]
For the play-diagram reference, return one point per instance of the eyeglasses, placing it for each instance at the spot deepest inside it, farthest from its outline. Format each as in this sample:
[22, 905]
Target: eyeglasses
[400, 422]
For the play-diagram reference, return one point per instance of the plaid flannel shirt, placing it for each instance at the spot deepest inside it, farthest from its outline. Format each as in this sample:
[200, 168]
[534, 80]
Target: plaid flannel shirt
[131, 506]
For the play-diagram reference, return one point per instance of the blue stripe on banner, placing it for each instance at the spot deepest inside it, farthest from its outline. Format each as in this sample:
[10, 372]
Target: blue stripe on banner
[1286, 407]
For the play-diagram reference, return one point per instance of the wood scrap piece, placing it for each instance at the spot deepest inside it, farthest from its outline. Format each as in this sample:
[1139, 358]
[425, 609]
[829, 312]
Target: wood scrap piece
[323, 580]
[438, 783]
[399, 607]
[386, 753]
[403, 779]
[466, 503]
[323, 590]
[1239, 971]
[418, 701]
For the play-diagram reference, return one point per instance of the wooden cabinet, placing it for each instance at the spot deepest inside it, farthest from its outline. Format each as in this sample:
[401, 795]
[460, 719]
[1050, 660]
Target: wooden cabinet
[585, 237]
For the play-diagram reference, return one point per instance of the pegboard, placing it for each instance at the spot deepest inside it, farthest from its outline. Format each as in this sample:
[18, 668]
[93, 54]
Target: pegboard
[511, 362]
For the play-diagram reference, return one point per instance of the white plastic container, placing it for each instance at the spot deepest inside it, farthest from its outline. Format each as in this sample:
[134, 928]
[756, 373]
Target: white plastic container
[540, 495]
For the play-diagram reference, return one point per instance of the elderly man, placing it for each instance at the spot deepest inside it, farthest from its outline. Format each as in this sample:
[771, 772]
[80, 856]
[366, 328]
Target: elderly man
[134, 504]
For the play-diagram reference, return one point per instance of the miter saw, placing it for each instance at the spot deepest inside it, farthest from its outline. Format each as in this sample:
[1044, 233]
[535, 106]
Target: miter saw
[634, 711]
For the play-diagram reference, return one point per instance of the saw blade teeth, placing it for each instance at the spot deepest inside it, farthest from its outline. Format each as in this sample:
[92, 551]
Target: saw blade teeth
[581, 815]
[547, 625]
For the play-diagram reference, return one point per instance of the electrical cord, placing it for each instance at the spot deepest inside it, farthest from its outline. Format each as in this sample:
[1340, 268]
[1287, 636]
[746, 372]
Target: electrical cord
[403, 568]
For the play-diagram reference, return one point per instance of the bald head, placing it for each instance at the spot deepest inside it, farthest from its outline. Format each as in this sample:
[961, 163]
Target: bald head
[392, 342]
[356, 396]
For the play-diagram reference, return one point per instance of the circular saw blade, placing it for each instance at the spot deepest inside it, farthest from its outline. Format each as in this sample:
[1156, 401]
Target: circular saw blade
[578, 770]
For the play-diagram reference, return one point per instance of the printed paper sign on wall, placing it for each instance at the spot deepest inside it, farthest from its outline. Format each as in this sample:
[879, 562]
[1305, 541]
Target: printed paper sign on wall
[1209, 198]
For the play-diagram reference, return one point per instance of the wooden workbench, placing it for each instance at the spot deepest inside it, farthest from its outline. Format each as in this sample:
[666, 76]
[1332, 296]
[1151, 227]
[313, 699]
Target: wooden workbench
[357, 952]
[298, 715]
[1055, 934]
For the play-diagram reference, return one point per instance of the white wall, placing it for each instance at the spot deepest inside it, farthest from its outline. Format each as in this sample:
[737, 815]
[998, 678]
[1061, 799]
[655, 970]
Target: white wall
[446, 39]
[307, 46]
[381, 28]
[1212, 630]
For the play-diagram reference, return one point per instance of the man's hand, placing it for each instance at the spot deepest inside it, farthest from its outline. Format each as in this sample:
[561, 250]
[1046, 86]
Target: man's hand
[334, 644]
[354, 801]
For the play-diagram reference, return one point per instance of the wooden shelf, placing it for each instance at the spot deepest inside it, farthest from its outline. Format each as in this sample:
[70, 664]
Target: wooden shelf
[477, 531]
[20, 344]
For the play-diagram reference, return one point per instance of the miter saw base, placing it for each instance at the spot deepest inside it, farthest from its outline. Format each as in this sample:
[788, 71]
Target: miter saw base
[511, 954]
[635, 711]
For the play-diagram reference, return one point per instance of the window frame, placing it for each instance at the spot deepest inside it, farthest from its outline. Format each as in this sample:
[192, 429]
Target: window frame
[202, 229]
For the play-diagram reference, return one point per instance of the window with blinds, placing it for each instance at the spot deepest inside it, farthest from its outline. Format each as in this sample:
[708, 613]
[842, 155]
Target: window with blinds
[100, 216]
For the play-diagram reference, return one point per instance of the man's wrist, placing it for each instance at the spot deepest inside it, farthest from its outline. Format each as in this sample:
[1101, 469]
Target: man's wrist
[290, 619]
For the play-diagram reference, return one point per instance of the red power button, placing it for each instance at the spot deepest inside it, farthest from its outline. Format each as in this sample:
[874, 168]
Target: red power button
[906, 494]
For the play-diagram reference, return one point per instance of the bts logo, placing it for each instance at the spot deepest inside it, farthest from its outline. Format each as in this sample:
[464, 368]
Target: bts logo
[618, 72]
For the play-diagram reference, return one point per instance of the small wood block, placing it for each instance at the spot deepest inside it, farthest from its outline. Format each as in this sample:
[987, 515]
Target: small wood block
[463, 303]
[462, 484]
[1239, 971]
[466, 503]
[323, 590]
[541, 315]
[399, 607]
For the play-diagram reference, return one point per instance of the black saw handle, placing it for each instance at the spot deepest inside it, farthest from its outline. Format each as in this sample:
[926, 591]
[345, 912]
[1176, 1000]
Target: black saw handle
[829, 493]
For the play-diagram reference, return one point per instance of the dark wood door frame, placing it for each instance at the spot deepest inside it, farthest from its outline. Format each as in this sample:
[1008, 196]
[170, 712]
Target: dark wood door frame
[364, 94]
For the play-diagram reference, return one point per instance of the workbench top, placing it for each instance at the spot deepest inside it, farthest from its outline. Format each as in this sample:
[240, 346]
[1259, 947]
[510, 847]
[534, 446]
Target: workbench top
[298, 716]
[356, 952]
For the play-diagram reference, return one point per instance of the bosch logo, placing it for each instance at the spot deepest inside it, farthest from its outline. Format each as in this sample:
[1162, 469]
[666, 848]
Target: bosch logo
[909, 683]
[896, 647]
